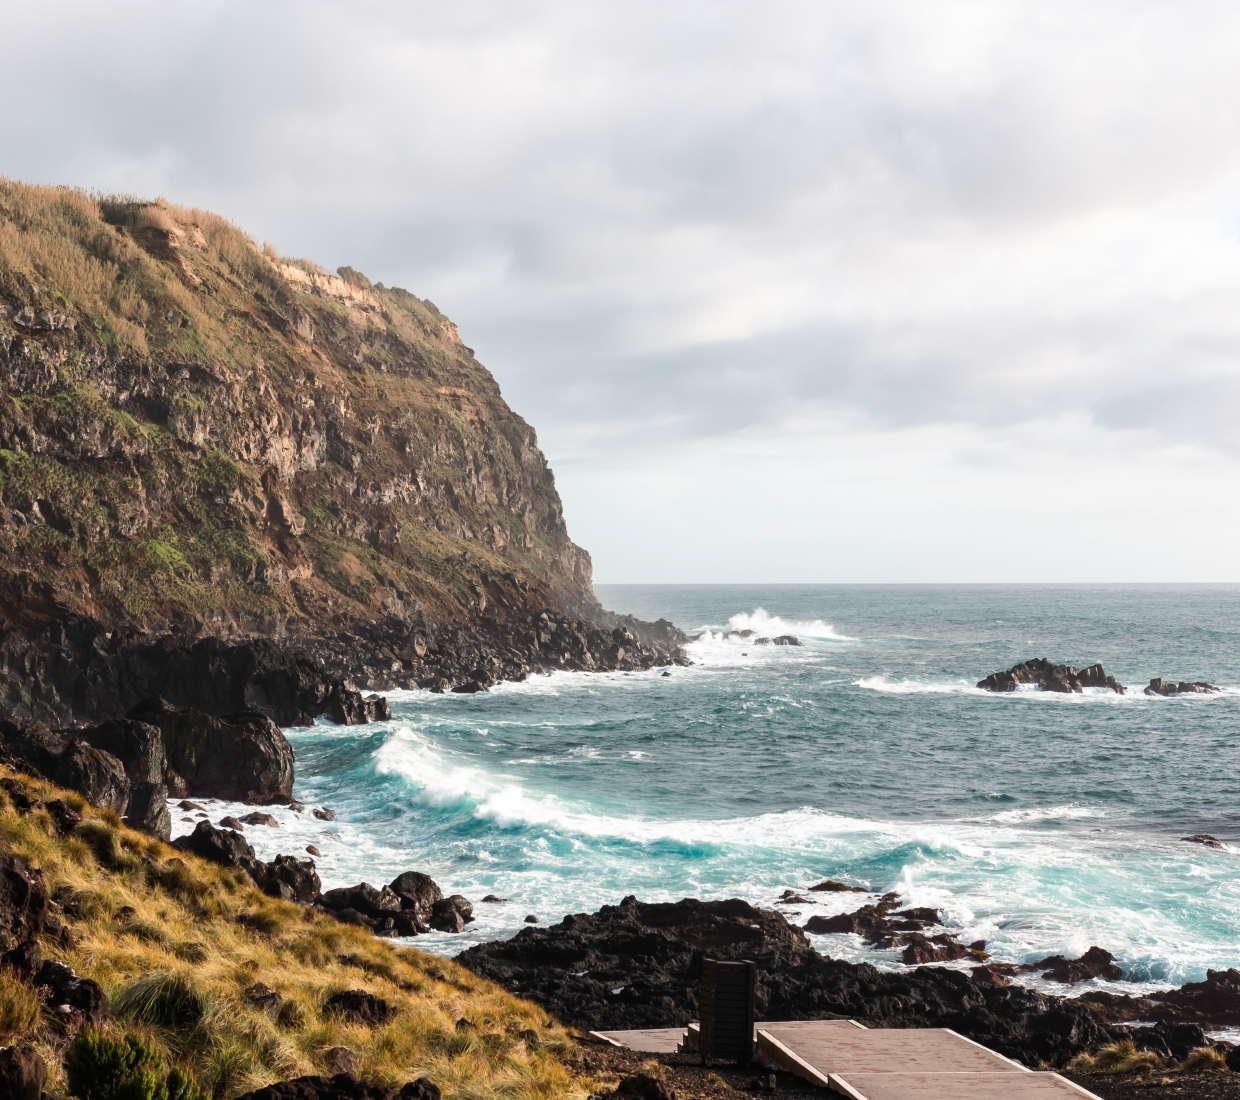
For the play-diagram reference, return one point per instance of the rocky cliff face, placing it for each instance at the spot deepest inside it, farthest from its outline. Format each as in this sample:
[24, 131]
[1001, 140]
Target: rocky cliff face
[198, 436]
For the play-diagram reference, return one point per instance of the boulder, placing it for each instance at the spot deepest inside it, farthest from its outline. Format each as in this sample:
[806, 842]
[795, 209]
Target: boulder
[218, 845]
[256, 818]
[417, 892]
[242, 757]
[148, 810]
[324, 814]
[1095, 963]
[343, 1060]
[451, 914]
[641, 1086]
[23, 1073]
[23, 910]
[831, 886]
[363, 898]
[291, 879]
[786, 639]
[139, 747]
[32, 746]
[230, 822]
[359, 1007]
[1206, 840]
[1050, 677]
[70, 1001]
[97, 775]
[347, 707]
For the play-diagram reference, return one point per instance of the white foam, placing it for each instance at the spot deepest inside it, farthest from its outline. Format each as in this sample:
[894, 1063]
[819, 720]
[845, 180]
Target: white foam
[764, 624]
[919, 687]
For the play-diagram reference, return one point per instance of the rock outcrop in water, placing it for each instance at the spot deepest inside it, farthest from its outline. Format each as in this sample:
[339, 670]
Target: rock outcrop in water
[885, 924]
[1050, 677]
[636, 965]
[1159, 686]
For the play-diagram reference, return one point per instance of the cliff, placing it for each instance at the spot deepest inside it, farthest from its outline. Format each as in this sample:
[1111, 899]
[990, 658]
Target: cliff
[201, 437]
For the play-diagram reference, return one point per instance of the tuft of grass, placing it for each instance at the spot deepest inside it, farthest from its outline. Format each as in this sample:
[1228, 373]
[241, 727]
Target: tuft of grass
[168, 999]
[1204, 1060]
[1121, 1059]
[19, 1008]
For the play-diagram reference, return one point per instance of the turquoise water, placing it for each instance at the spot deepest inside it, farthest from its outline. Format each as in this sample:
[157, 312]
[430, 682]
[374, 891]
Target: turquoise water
[1040, 823]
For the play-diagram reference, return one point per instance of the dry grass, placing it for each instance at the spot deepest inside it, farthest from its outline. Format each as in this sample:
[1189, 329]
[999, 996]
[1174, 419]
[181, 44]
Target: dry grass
[1119, 1058]
[176, 941]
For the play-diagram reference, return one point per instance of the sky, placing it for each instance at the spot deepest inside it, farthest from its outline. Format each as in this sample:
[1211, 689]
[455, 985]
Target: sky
[792, 292]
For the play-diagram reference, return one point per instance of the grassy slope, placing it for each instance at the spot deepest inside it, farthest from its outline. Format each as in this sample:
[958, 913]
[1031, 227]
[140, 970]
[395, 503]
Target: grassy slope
[136, 917]
[192, 389]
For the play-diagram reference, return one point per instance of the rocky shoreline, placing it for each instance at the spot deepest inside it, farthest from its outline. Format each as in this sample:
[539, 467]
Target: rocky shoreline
[637, 965]
[77, 670]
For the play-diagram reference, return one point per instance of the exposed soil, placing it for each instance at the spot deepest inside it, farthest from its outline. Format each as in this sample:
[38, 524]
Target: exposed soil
[1200, 1086]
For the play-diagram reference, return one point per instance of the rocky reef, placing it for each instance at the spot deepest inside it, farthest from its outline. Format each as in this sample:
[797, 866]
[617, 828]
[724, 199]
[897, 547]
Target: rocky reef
[1048, 676]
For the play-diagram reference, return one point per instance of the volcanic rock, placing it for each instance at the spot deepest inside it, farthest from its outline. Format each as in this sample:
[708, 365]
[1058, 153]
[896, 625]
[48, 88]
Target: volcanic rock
[343, 1086]
[359, 1007]
[256, 818]
[831, 886]
[655, 951]
[641, 1086]
[1095, 963]
[451, 914]
[289, 878]
[97, 775]
[23, 909]
[243, 757]
[68, 1000]
[23, 1073]
[222, 846]
[1050, 677]
[417, 892]
[1159, 686]
[148, 810]
[1206, 840]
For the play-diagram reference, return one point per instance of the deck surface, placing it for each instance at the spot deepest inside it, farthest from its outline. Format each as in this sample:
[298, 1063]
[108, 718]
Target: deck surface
[903, 1064]
[651, 1040]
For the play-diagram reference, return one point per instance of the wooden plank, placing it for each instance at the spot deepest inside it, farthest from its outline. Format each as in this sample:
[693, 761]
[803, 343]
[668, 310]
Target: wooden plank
[848, 1051]
[653, 1040]
[957, 1086]
[783, 1057]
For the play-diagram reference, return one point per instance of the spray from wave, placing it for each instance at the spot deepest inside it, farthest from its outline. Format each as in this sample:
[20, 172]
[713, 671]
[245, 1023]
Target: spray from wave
[764, 624]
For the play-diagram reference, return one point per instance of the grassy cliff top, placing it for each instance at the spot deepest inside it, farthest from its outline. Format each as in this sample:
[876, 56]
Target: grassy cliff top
[176, 941]
[197, 432]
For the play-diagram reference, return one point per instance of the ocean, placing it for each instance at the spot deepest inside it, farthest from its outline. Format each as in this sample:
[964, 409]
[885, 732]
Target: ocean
[1040, 823]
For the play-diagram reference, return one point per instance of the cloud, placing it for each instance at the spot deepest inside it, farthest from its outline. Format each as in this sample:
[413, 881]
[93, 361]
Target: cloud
[698, 228]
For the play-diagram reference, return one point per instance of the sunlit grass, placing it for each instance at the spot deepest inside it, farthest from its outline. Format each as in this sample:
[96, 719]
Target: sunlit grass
[175, 942]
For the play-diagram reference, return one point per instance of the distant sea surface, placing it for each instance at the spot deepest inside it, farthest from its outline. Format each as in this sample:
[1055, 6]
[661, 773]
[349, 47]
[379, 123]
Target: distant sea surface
[1038, 822]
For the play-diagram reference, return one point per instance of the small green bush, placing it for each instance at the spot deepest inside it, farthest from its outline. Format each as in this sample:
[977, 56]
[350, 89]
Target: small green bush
[100, 1067]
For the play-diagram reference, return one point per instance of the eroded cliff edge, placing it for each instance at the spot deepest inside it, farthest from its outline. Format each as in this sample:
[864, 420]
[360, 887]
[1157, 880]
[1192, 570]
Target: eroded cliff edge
[200, 439]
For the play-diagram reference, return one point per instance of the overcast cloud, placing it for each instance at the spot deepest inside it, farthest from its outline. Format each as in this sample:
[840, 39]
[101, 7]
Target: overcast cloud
[791, 292]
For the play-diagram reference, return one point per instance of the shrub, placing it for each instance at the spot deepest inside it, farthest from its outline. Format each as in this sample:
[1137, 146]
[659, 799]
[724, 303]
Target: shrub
[1119, 1058]
[162, 998]
[100, 1067]
[1203, 1060]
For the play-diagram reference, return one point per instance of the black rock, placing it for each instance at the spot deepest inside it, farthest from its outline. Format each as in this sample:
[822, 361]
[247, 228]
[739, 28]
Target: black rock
[1095, 963]
[451, 914]
[359, 1007]
[363, 898]
[68, 1000]
[1159, 686]
[97, 775]
[218, 845]
[1050, 677]
[137, 745]
[242, 757]
[23, 1073]
[291, 879]
[148, 810]
[23, 910]
[655, 952]
[417, 892]
[343, 1086]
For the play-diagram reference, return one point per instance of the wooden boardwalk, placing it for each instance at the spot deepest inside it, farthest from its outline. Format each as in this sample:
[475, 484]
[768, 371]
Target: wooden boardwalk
[878, 1063]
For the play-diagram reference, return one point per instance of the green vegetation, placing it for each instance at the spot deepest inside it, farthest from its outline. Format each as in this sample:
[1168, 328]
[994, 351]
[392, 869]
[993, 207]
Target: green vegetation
[176, 942]
[175, 392]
